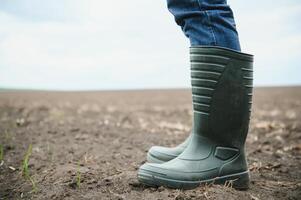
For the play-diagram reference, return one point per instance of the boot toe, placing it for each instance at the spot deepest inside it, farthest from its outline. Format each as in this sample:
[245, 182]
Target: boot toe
[155, 175]
[158, 154]
[149, 172]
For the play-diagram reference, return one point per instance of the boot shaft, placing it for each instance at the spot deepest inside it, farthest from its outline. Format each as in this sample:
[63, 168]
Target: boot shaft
[222, 83]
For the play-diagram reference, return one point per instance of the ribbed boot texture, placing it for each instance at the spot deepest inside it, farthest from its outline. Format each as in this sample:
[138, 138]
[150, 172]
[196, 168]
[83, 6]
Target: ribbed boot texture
[221, 82]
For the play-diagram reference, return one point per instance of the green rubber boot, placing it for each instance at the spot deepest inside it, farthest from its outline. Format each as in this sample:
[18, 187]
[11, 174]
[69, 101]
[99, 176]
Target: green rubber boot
[222, 97]
[159, 154]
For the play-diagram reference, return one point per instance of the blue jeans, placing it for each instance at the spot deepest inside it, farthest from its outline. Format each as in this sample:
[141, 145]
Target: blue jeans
[206, 22]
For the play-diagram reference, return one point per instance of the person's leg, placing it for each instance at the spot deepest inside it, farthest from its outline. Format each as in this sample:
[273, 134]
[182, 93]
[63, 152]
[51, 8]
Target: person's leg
[222, 82]
[206, 22]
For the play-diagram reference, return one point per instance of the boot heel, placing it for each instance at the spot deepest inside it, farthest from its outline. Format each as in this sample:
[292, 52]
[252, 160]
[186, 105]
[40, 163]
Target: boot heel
[242, 182]
[239, 181]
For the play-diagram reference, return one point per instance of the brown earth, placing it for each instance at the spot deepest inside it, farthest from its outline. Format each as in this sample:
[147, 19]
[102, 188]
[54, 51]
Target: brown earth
[103, 137]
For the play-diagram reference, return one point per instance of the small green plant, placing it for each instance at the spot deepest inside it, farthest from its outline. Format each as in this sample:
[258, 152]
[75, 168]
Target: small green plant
[25, 170]
[78, 176]
[1, 153]
[33, 183]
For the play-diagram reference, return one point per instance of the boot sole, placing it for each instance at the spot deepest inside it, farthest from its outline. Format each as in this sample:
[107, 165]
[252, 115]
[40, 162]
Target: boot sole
[239, 181]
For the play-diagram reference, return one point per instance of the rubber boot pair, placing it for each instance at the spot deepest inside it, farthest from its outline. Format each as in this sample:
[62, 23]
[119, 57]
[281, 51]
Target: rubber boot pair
[221, 82]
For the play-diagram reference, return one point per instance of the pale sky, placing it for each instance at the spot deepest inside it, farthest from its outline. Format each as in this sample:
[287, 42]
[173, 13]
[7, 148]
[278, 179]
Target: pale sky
[96, 44]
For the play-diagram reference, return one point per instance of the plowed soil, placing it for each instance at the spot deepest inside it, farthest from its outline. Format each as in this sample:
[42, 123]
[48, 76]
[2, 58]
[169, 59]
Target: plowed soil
[89, 145]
